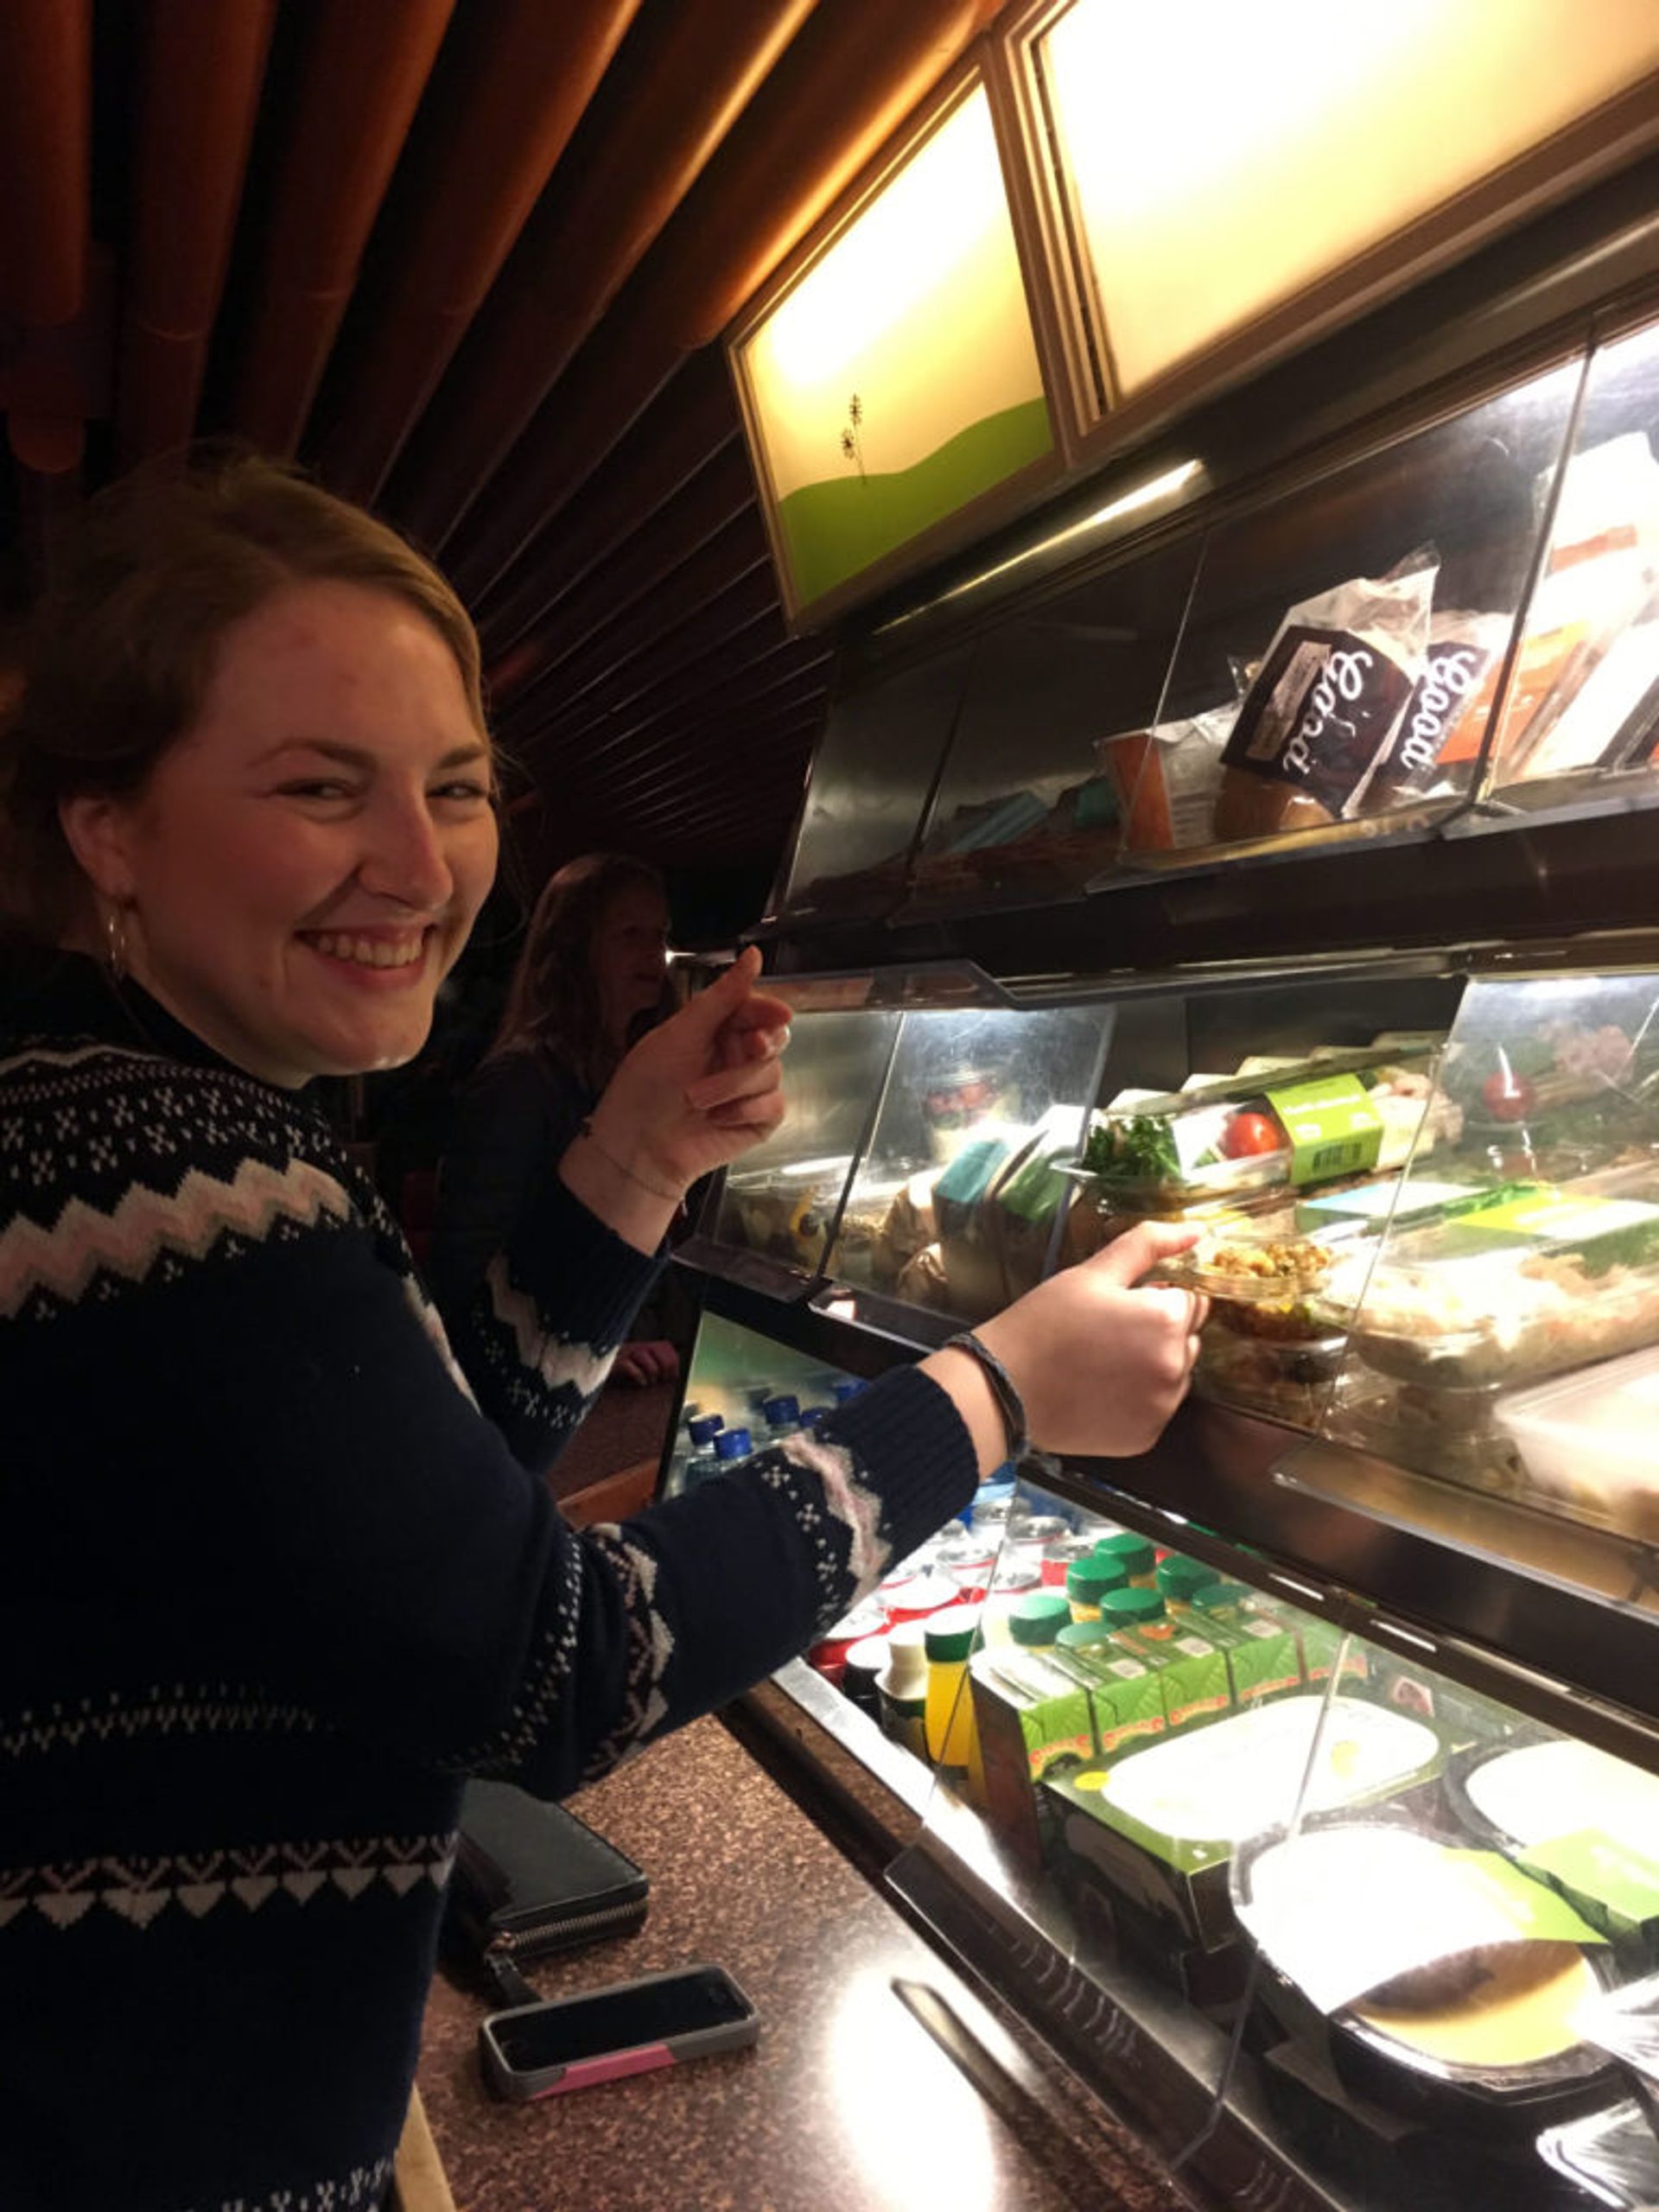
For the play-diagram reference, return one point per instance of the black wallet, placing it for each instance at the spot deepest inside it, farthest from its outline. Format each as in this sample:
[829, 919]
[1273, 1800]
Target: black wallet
[531, 1880]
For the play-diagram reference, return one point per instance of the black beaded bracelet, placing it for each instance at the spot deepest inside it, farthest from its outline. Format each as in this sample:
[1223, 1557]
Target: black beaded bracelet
[1009, 1403]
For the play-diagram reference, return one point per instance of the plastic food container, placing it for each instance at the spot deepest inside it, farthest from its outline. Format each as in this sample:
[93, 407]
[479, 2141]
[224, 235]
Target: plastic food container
[1261, 1277]
[1478, 1300]
[1288, 1382]
[1245, 1776]
[1588, 1442]
[1348, 1112]
[1452, 1434]
[1450, 1987]
[785, 1211]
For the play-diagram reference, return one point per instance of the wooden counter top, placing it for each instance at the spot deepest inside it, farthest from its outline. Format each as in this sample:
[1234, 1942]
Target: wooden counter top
[847, 2104]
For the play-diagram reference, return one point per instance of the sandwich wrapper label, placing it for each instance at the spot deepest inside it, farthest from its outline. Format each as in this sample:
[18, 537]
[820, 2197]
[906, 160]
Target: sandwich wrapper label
[1333, 1127]
[1342, 1910]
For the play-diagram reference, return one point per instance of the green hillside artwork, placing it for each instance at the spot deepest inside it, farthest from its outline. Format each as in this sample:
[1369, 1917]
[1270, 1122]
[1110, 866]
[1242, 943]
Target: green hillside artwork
[832, 530]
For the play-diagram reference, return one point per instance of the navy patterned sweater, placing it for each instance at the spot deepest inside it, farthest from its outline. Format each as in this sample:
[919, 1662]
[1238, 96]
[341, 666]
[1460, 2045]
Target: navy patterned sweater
[278, 1573]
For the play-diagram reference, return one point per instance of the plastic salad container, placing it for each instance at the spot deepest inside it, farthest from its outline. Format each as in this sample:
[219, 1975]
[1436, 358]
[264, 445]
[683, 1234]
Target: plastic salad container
[1288, 1380]
[1261, 1276]
[1587, 1441]
[1535, 1282]
[1311, 1122]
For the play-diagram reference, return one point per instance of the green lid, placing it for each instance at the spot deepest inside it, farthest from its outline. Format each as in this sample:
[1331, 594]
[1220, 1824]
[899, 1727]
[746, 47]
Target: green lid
[1089, 1579]
[1131, 1608]
[951, 1634]
[1217, 1597]
[1084, 1636]
[1039, 1618]
[1134, 1553]
[1181, 1578]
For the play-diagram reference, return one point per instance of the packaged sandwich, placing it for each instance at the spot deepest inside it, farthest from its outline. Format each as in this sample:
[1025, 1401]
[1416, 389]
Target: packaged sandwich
[1325, 705]
[1445, 714]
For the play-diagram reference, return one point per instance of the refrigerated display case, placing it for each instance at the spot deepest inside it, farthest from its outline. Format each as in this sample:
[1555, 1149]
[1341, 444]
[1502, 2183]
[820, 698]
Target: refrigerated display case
[1313, 1835]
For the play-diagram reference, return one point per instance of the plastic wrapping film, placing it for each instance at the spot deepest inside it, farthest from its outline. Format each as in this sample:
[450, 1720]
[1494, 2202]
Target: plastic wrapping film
[1613, 2156]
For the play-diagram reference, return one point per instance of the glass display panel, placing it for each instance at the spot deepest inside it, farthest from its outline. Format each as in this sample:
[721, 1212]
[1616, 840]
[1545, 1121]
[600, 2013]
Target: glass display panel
[871, 776]
[1582, 708]
[1029, 803]
[956, 1201]
[896, 379]
[1505, 1328]
[744, 1392]
[1218, 160]
[1337, 666]
[780, 1199]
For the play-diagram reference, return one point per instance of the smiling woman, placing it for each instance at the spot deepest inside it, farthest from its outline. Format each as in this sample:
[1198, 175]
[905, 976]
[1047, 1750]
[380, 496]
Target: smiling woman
[277, 1564]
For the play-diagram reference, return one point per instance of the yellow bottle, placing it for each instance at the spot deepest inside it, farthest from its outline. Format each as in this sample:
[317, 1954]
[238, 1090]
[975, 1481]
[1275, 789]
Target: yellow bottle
[951, 1636]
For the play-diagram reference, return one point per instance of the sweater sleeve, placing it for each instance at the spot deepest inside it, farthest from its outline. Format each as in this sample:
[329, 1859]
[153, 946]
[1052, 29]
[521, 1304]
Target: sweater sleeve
[509, 1246]
[284, 1482]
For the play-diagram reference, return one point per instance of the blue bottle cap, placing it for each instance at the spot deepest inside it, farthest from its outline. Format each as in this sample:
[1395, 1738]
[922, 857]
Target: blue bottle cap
[705, 1428]
[732, 1444]
[781, 1410]
[849, 1387]
[811, 1415]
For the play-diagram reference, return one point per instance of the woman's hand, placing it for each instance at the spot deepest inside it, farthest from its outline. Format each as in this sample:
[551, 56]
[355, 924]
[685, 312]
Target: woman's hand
[701, 1087]
[695, 1093]
[645, 1360]
[1101, 1360]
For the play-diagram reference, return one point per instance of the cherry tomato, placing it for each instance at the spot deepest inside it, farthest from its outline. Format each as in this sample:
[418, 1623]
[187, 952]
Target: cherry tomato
[1507, 1097]
[1248, 1136]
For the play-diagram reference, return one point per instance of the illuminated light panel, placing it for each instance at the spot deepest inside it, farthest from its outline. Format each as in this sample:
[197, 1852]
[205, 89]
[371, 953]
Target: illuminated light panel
[897, 379]
[1223, 156]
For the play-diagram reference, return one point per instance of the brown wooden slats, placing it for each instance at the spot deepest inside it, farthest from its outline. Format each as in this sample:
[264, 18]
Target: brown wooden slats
[676, 87]
[366, 66]
[204, 62]
[505, 127]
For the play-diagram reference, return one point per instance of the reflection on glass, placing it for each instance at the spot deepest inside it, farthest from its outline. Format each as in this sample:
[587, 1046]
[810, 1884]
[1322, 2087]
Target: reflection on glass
[871, 775]
[955, 1200]
[744, 1392]
[1527, 1248]
[780, 1197]
[1029, 802]
[1584, 699]
[1344, 644]
[1219, 160]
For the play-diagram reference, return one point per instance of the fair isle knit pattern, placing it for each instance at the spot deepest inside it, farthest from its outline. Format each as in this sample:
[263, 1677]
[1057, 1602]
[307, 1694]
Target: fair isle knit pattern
[280, 1569]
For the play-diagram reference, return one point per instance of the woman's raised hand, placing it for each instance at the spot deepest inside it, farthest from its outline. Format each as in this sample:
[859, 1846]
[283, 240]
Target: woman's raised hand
[700, 1088]
[1101, 1359]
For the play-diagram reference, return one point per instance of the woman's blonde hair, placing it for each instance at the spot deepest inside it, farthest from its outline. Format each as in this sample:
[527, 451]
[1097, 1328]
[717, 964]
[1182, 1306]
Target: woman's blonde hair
[119, 653]
[553, 1001]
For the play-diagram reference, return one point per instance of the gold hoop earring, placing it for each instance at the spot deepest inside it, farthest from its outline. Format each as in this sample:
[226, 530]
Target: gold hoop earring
[115, 944]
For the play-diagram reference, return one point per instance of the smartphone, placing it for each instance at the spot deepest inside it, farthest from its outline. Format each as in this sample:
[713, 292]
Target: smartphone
[574, 2043]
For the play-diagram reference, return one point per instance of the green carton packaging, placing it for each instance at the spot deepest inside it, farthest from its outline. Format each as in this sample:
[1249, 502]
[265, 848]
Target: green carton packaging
[1321, 1644]
[1031, 1716]
[1125, 1695]
[1191, 1671]
[1262, 1659]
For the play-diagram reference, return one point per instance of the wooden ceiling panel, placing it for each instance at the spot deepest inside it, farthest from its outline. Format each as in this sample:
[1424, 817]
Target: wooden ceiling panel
[471, 258]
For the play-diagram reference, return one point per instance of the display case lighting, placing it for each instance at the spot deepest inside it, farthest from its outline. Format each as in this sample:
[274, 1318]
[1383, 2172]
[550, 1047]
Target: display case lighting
[1149, 494]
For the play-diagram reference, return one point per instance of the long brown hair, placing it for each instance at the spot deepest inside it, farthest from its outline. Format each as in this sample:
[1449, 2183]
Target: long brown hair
[122, 647]
[553, 1000]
